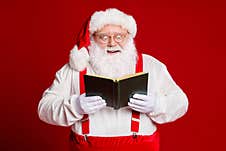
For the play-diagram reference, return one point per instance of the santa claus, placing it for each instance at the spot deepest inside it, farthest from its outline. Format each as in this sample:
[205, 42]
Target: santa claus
[106, 47]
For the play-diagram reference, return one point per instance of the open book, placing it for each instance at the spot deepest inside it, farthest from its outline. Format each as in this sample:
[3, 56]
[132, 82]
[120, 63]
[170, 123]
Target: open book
[116, 92]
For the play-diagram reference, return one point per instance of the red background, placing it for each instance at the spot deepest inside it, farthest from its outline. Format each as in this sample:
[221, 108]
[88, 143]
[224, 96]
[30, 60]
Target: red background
[188, 36]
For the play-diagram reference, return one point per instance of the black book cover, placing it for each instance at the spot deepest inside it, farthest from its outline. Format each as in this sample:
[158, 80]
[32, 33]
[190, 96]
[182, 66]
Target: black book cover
[116, 92]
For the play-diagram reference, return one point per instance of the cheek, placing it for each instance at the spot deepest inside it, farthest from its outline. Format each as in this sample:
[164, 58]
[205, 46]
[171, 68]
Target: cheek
[122, 45]
[102, 46]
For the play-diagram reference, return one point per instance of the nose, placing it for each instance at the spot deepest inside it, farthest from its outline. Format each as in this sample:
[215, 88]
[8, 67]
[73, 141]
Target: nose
[112, 42]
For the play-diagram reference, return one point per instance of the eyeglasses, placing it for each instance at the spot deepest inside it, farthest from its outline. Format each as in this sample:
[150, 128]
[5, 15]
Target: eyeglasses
[105, 38]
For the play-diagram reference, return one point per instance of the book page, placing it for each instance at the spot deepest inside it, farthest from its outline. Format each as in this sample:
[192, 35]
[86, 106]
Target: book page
[120, 78]
[129, 76]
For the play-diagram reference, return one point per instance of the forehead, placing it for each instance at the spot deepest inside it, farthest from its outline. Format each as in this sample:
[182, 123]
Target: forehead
[112, 29]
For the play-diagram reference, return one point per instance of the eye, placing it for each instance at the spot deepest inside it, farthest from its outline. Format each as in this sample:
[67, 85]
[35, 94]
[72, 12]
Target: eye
[104, 37]
[118, 37]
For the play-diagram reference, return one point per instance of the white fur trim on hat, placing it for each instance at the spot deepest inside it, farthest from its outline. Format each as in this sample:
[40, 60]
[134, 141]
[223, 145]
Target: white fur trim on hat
[115, 17]
[79, 58]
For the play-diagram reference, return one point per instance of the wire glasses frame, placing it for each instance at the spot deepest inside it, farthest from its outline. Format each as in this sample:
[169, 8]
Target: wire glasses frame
[105, 37]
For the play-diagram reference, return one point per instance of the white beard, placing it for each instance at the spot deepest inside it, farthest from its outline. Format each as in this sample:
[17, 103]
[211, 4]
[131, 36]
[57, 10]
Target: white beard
[113, 65]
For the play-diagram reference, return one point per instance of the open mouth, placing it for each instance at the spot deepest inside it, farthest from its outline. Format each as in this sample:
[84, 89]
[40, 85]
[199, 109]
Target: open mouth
[113, 51]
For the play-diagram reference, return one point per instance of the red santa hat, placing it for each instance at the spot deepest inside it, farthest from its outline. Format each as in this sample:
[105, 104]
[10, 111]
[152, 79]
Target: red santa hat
[79, 56]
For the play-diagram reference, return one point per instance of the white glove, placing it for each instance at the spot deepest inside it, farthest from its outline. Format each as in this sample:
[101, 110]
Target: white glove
[89, 105]
[142, 103]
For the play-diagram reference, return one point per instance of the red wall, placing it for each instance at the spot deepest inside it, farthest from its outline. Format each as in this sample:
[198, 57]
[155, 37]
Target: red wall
[189, 37]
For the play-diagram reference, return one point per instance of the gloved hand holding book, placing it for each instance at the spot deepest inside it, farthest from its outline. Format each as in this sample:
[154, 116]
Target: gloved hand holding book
[142, 103]
[89, 105]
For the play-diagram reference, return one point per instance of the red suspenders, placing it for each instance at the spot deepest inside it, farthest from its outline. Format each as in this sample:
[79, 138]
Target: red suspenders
[135, 118]
[85, 119]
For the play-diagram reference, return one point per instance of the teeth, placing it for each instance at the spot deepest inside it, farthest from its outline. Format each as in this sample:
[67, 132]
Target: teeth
[112, 50]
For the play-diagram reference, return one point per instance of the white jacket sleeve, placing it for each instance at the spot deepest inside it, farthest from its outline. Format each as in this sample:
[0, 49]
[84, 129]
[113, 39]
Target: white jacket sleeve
[57, 105]
[171, 101]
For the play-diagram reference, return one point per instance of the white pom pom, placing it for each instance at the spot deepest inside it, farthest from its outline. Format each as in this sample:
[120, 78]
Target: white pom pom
[79, 58]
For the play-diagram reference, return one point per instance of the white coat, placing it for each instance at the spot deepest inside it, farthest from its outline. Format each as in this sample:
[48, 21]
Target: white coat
[56, 106]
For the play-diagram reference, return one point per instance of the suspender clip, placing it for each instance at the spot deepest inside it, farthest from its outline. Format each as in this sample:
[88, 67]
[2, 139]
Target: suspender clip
[134, 135]
[86, 138]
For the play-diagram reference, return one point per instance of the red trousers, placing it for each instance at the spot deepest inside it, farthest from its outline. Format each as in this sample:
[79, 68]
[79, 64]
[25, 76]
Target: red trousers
[121, 143]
